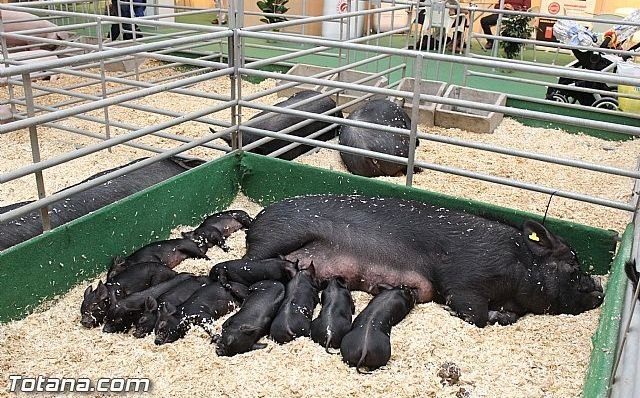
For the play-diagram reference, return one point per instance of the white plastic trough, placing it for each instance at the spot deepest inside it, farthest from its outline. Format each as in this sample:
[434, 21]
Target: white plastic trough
[475, 120]
[426, 109]
[303, 70]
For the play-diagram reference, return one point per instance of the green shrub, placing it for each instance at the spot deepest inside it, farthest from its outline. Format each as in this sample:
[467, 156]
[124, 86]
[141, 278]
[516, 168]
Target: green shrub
[273, 7]
[515, 26]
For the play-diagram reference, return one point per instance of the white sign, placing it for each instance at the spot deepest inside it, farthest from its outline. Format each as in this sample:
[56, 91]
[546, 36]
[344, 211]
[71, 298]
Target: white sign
[571, 8]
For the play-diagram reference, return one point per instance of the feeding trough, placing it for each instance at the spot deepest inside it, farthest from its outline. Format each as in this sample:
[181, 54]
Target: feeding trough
[427, 109]
[461, 117]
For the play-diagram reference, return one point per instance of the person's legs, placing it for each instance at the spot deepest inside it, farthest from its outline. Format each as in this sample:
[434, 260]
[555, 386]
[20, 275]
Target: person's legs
[126, 32]
[487, 22]
[222, 15]
[457, 37]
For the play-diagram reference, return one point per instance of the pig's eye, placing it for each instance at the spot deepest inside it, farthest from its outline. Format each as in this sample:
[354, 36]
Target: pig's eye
[143, 319]
[162, 325]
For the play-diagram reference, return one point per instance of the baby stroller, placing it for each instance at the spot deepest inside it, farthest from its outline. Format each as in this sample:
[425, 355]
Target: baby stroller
[590, 60]
[570, 32]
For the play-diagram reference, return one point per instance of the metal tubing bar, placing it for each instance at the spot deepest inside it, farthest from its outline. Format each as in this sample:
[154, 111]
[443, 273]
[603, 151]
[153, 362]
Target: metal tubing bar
[454, 141]
[628, 310]
[106, 143]
[66, 90]
[292, 145]
[290, 129]
[415, 116]
[12, 126]
[87, 97]
[35, 152]
[147, 20]
[452, 170]
[554, 45]
[631, 130]
[300, 53]
[264, 140]
[78, 131]
[154, 55]
[315, 98]
[128, 126]
[575, 106]
[122, 80]
[15, 213]
[554, 85]
[308, 20]
[133, 50]
[584, 75]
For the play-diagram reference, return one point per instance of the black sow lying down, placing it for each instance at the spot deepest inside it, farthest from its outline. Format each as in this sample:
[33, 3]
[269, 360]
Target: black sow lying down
[77, 205]
[278, 122]
[476, 265]
[381, 112]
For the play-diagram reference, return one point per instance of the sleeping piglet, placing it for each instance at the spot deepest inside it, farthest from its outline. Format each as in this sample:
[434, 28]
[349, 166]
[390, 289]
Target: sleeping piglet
[249, 272]
[217, 227]
[241, 332]
[295, 313]
[334, 320]
[368, 344]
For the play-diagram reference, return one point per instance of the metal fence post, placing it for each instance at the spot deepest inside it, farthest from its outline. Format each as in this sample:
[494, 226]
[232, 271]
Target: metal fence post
[35, 149]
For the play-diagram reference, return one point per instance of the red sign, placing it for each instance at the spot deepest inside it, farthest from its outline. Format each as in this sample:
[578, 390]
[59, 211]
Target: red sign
[343, 6]
[554, 8]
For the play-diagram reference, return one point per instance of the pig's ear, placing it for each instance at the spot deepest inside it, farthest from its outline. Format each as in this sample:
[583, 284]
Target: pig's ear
[249, 329]
[258, 346]
[102, 292]
[150, 304]
[311, 269]
[291, 270]
[384, 286]
[188, 235]
[117, 261]
[113, 303]
[88, 291]
[540, 241]
[169, 309]
[216, 338]
[117, 265]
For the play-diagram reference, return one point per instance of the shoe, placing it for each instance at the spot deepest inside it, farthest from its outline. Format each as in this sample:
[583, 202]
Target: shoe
[488, 45]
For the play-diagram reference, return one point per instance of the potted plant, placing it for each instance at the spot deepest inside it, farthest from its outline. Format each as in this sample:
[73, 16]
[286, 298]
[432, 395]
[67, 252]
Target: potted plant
[273, 7]
[517, 26]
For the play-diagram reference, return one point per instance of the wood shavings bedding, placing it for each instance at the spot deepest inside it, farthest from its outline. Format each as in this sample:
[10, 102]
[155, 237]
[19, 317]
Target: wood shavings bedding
[539, 356]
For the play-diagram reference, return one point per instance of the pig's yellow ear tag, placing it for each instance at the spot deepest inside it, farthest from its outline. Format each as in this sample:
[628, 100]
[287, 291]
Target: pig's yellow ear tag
[534, 237]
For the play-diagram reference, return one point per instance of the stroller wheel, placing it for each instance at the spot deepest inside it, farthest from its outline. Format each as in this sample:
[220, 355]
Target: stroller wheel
[606, 103]
[558, 97]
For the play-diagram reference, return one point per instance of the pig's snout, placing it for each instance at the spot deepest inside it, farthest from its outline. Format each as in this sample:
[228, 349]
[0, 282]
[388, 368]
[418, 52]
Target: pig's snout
[597, 284]
[594, 292]
[88, 321]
